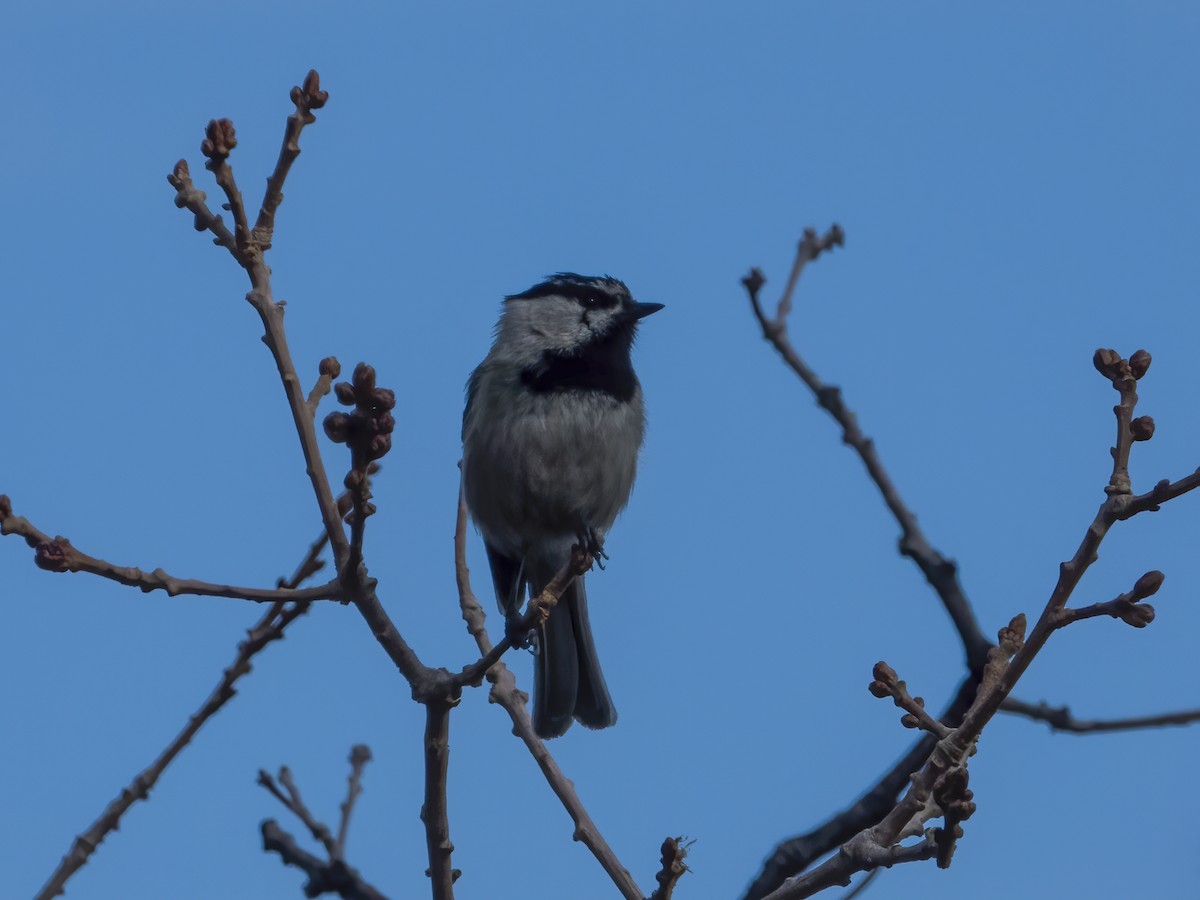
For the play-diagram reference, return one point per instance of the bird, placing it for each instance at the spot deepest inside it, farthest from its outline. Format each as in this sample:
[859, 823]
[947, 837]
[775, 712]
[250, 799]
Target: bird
[552, 430]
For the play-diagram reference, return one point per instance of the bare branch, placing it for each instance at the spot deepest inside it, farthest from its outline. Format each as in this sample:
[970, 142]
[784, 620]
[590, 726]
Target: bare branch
[796, 854]
[1163, 491]
[1126, 607]
[939, 789]
[332, 875]
[306, 98]
[324, 877]
[1059, 718]
[433, 811]
[219, 141]
[505, 693]
[888, 684]
[357, 587]
[941, 573]
[59, 555]
[268, 629]
[296, 805]
[360, 755]
[188, 196]
[536, 613]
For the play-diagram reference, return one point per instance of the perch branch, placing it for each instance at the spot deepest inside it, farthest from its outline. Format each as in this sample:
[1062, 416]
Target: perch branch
[504, 692]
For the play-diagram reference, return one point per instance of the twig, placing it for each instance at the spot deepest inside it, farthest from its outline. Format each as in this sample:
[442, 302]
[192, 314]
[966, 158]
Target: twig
[1127, 606]
[538, 610]
[269, 628]
[796, 854]
[296, 805]
[59, 555]
[360, 755]
[188, 196]
[505, 693]
[307, 97]
[324, 877]
[331, 875]
[888, 684]
[939, 789]
[357, 587]
[941, 573]
[1059, 718]
[367, 431]
[1163, 491]
[219, 141]
[674, 852]
[261, 297]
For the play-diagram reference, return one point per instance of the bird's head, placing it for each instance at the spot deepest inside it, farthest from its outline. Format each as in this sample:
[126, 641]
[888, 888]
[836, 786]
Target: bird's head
[571, 315]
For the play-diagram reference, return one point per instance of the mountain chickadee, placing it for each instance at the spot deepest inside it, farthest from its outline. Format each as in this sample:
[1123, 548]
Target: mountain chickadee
[551, 434]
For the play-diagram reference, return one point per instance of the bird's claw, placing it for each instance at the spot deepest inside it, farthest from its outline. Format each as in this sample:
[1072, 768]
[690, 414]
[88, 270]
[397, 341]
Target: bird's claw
[521, 638]
[591, 542]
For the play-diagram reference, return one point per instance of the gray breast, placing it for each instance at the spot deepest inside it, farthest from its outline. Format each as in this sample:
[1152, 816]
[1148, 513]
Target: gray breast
[539, 468]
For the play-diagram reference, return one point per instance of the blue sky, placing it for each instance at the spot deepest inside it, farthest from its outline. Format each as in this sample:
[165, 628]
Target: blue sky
[1017, 190]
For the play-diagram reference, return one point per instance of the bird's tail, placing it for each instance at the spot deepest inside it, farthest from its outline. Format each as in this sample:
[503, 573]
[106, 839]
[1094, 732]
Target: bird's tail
[568, 683]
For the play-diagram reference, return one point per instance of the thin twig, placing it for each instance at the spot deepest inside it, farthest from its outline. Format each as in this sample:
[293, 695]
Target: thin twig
[796, 854]
[306, 97]
[261, 297]
[251, 257]
[219, 141]
[188, 196]
[505, 693]
[296, 805]
[324, 877]
[269, 628]
[538, 610]
[58, 554]
[939, 789]
[332, 875]
[888, 684]
[360, 755]
[940, 572]
[1059, 718]
[1163, 491]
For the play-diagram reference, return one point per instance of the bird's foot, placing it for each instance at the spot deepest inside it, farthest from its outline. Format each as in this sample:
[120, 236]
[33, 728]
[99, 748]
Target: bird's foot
[521, 638]
[591, 542]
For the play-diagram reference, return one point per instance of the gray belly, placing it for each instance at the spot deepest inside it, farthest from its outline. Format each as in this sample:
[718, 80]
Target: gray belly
[540, 473]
